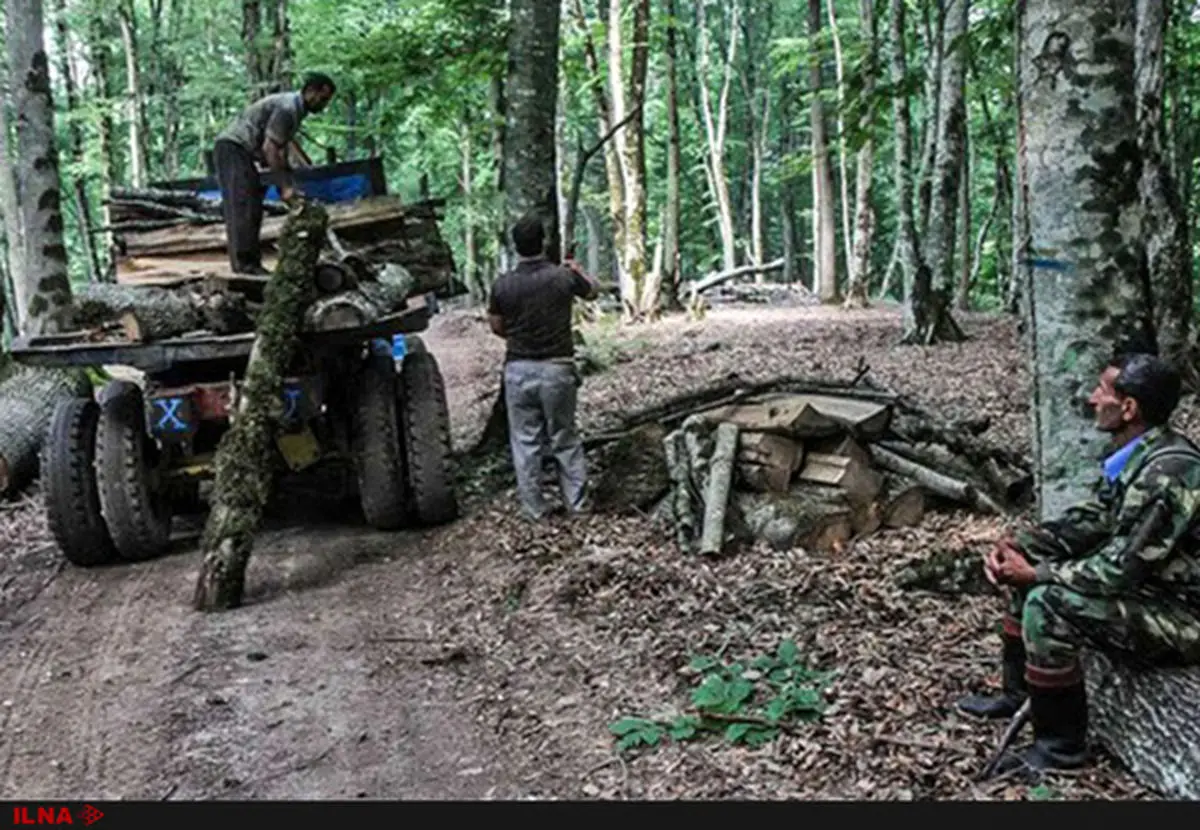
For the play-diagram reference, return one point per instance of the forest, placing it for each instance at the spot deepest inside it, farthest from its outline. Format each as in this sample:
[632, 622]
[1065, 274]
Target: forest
[979, 199]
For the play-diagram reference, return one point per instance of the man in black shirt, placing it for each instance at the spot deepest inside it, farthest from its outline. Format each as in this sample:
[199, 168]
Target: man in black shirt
[530, 308]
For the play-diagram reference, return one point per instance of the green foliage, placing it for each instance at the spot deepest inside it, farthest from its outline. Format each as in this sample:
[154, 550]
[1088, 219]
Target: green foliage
[745, 704]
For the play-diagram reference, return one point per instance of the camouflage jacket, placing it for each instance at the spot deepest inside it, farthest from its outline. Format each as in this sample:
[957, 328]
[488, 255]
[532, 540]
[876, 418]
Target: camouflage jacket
[1137, 536]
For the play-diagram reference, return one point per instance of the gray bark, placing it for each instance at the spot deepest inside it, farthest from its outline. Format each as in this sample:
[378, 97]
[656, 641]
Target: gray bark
[671, 265]
[911, 262]
[864, 220]
[531, 96]
[1149, 720]
[931, 319]
[43, 288]
[1081, 171]
[824, 220]
[9, 205]
[1168, 258]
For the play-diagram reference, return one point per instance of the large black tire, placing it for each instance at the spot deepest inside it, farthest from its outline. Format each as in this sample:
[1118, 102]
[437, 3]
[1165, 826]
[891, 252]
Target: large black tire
[69, 479]
[135, 505]
[425, 420]
[378, 454]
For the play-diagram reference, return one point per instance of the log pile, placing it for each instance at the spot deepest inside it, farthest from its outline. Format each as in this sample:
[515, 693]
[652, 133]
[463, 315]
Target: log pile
[173, 276]
[798, 463]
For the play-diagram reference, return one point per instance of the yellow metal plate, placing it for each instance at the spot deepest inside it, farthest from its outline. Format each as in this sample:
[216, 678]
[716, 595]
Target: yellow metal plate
[299, 449]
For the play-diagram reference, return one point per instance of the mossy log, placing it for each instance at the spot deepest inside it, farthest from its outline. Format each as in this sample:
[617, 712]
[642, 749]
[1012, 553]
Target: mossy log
[1150, 720]
[149, 313]
[813, 517]
[27, 401]
[244, 459]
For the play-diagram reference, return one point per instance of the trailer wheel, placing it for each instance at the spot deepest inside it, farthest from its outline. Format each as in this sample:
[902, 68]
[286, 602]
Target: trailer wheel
[69, 474]
[133, 498]
[378, 454]
[425, 417]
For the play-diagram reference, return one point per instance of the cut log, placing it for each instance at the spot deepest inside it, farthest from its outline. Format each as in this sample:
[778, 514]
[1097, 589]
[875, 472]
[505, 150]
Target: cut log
[813, 517]
[931, 480]
[902, 501]
[850, 472]
[1149, 719]
[720, 481]
[27, 401]
[244, 468]
[791, 417]
[766, 462]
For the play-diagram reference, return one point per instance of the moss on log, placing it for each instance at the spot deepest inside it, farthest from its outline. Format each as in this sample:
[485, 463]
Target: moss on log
[27, 401]
[244, 459]
[1150, 720]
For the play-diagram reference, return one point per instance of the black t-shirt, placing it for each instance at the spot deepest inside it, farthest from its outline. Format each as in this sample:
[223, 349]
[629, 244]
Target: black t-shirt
[534, 300]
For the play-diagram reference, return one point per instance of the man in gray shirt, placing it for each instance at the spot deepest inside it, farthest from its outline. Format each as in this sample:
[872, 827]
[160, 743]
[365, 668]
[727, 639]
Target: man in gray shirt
[530, 307]
[261, 135]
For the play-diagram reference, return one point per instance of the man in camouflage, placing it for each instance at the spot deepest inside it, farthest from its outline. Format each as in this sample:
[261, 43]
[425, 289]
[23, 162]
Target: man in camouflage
[1119, 572]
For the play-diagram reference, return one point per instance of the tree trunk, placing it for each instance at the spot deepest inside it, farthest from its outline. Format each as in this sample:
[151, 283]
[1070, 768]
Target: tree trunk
[98, 53]
[864, 223]
[1168, 257]
[133, 89]
[9, 206]
[671, 275]
[1149, 721]
[281, 55]
[931, 316]
[916, 275]
[43, 288]
[963, 292]
[243, 460]
[930, 114]
[824, 234]
[844, 178]
[82, 204]
[1080, 167]
[639, 299]
[716, 126]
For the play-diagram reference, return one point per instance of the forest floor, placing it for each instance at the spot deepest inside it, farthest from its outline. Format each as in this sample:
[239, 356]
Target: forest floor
[488, 658]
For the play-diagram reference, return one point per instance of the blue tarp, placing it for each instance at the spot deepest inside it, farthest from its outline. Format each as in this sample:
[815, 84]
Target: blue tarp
[337, 189]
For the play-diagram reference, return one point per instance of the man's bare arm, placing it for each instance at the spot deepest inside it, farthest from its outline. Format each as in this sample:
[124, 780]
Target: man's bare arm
[497, 324]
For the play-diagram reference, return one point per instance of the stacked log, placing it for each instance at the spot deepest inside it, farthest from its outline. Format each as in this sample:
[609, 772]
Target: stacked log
[816, 465]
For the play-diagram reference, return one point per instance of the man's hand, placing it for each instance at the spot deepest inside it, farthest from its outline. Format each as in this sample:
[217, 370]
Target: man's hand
[288, 194]
[1011, 567]
[995, 559]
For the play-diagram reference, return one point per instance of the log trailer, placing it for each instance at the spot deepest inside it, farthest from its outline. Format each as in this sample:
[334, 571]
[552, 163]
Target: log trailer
[363, 391]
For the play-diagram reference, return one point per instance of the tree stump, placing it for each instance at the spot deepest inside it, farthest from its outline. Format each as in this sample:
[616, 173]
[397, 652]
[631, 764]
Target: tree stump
[244, 462]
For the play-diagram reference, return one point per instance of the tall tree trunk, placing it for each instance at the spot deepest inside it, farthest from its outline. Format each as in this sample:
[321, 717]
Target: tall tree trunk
[9, 205]
[471, 274]
[281, 54]
[930, 116]
[715, 128]
[138, 169]
[793, 266]
[614, 159]
[82, 204]
[931, 315]
[864, 222]
[499, 142]
[98, 51]
[963, 292]
[671, 275]
[532, 95]
[42, 289]
[824, 221]
[1080, 165]
[916, 274]
[1168, 256]
[843, 178]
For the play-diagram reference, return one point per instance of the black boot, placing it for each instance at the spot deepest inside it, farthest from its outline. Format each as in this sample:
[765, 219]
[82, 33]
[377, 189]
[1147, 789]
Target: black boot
[1014, 691]
[1060, 722]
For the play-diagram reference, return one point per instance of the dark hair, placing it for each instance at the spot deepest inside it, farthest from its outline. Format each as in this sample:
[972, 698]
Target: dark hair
[1151, 381]
[528, 235]
[316, 80]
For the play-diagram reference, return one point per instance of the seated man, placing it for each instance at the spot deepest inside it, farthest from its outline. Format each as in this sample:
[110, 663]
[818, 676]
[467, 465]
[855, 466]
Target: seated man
[1119, 572]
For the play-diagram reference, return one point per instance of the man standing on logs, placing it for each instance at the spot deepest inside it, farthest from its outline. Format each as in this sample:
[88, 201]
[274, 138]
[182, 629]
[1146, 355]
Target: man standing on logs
[1118, 573]
[530, 308]
[261, 134]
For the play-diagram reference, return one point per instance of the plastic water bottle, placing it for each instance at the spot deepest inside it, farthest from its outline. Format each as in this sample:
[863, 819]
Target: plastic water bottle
[399, 347]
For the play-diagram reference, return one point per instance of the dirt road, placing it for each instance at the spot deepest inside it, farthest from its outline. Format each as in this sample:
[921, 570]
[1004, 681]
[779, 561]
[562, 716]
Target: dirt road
[335, 680]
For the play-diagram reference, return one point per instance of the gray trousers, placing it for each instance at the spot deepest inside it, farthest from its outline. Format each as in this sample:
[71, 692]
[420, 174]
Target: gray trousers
[540, 397]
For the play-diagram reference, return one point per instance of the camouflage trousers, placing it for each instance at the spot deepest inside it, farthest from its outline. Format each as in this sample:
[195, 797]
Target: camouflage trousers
[1055, 622]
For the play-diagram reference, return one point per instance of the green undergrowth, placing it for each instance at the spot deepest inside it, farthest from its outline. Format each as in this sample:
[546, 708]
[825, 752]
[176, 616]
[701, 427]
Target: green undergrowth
[747, 705]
